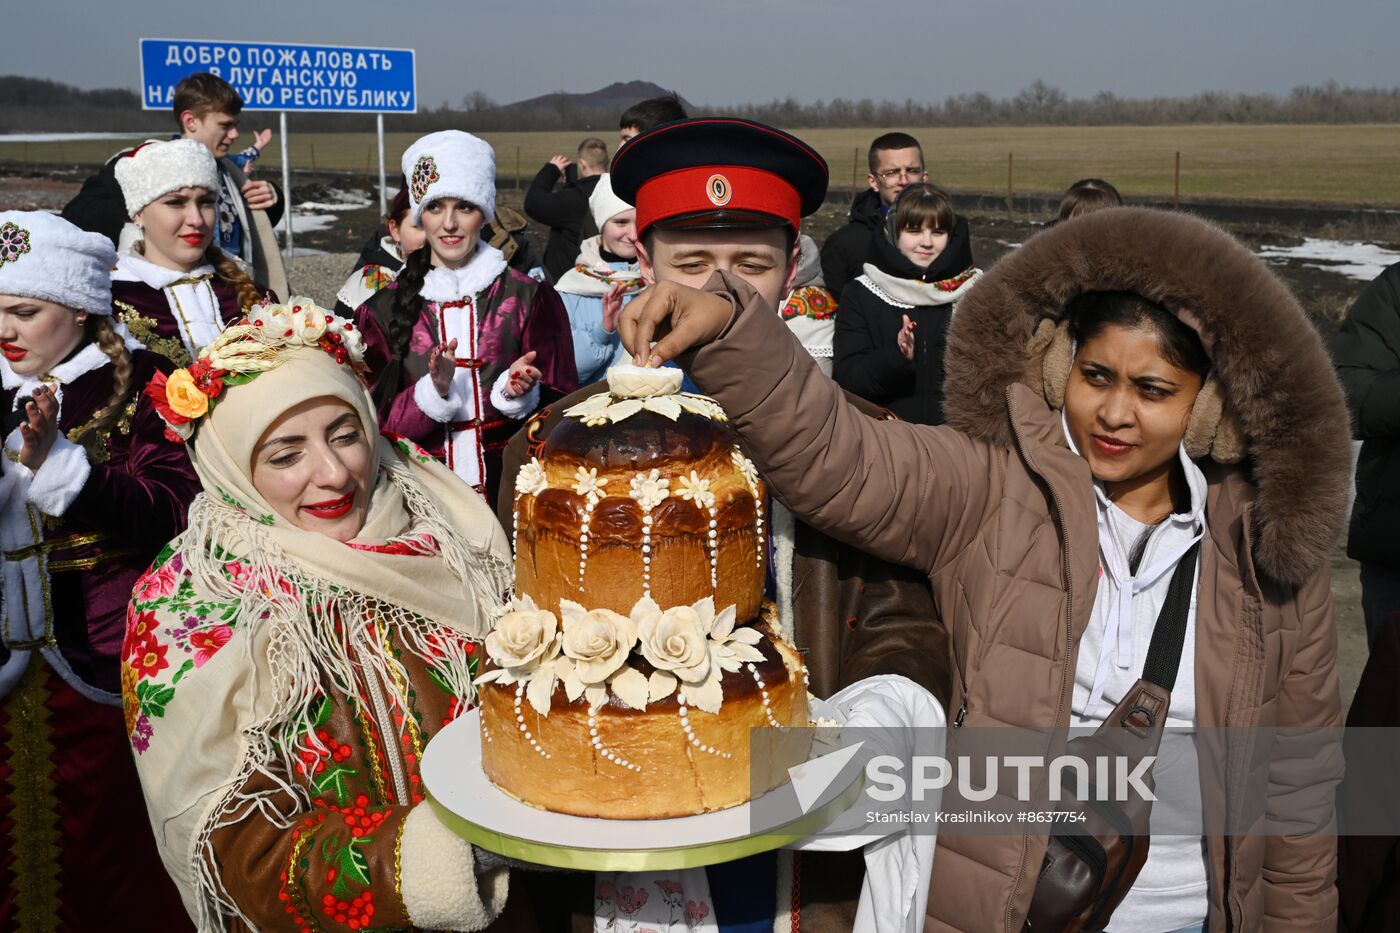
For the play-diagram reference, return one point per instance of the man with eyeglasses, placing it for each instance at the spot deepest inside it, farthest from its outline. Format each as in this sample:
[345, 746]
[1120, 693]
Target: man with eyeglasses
[896, 162]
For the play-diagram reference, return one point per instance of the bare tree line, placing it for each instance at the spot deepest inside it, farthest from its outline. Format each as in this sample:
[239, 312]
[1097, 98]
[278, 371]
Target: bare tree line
[28, 104]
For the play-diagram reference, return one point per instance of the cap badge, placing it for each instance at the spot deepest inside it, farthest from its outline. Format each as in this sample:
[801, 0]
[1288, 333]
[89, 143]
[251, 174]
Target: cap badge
[14, 242]
[425, 172]
[718, 190]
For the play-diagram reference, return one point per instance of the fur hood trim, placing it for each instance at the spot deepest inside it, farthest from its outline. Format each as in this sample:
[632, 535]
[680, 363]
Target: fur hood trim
[1269, 359]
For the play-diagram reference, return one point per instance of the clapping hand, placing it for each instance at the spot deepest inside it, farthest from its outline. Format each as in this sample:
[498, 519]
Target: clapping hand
[522, 376]
[905, 340]
[40, 429]
[442, 364]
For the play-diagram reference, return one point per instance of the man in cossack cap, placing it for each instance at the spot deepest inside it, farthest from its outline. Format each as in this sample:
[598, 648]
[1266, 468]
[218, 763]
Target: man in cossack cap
[724, 195]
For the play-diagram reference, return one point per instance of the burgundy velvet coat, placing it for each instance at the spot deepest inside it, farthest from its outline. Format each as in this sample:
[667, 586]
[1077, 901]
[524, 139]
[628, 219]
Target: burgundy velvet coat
[515, 315]
[132, 504]
[146, 313]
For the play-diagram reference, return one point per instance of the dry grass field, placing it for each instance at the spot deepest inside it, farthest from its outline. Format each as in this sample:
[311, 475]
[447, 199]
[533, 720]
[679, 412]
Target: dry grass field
[1356, 165]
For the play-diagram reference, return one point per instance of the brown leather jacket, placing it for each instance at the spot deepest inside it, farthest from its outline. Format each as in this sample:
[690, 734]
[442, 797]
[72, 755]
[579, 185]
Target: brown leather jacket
[853, 615]
[1000, 514]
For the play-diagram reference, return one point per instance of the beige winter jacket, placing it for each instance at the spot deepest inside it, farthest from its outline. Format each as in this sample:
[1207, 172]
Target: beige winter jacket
[1000, 514]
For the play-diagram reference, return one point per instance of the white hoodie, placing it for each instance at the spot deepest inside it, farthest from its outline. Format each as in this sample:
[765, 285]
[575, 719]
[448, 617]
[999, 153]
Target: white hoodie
[1170, 893]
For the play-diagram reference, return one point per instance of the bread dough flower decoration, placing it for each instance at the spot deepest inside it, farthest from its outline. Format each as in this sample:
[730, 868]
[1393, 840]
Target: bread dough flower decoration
[650, 489]
[588, 485]
[596, 645]
[531, 480]
[245, 349]
[524, 644]
[691, 648]
[635, 388]
[697, 489]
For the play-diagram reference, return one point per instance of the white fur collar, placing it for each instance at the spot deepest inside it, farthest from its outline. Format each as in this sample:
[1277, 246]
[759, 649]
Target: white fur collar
[911, 293]
[84, 361]
[134, 268]
[443, 284]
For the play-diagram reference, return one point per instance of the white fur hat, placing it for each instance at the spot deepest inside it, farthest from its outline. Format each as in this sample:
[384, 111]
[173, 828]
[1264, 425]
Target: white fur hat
[44, 256]
[451, 164]
[156, 169]
[603, 204]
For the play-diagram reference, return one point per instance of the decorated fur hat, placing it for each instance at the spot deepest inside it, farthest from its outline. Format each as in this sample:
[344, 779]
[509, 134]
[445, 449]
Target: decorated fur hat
[44, 256]
[451, 164]
[604, 204]
[155, 169]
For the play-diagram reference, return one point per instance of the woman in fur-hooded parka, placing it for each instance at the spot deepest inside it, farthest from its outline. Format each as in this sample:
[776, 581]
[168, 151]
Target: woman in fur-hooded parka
[1001, 514]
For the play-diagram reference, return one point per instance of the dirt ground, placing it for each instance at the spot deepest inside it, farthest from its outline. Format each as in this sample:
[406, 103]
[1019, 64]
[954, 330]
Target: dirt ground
[1324, 294]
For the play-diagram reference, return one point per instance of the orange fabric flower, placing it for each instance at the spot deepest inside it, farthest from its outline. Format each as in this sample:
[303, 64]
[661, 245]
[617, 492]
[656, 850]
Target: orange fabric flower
[184, 397]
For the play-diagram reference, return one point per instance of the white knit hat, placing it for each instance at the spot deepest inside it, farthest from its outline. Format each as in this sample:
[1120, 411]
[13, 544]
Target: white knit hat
[44, 256]
[451, 164]
[156, 169]
[603, 204]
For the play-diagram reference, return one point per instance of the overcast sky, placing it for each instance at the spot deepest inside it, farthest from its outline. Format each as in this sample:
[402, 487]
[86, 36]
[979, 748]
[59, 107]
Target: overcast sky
[735, 51]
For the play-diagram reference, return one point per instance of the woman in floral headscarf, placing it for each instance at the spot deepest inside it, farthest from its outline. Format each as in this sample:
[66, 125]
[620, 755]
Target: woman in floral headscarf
[291, 653]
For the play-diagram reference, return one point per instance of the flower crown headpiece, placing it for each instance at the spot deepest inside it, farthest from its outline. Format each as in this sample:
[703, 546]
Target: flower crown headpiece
[245, 349]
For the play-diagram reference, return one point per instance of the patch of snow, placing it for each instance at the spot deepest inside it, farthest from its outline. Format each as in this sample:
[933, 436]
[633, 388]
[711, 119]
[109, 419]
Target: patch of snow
[307, 223]
[65, 137]
[340, 201]
[1355, 260]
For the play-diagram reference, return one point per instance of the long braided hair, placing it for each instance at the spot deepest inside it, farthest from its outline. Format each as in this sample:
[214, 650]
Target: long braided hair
[404, 311]
[231, 275]
[100, 331]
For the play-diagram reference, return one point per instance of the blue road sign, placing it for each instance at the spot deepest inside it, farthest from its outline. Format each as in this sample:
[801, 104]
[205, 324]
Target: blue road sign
[285, 76]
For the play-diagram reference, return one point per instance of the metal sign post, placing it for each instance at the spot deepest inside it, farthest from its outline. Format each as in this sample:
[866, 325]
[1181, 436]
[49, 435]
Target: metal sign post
[286, 184]
[289, 77]
[383, 195]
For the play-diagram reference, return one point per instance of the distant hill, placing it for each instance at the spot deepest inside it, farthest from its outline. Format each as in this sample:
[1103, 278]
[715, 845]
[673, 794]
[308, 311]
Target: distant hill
[38, 105]
[617, 96]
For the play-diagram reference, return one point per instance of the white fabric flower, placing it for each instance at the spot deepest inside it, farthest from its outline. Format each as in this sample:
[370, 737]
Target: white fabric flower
[352, 340]
[697, 490]
[530, 481]
[597, 640]
[310, 321]
[650, 489]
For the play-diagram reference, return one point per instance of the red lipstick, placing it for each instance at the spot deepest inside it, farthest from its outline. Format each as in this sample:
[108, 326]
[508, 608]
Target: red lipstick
[1110, 446]
[12, 352]
[332, 508]
[194, 239]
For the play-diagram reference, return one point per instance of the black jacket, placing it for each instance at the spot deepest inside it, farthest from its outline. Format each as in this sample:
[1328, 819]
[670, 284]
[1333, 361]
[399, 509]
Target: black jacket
[564, 211]
[846, 250]
[1366, 351]
[866, 358]
[100, 207]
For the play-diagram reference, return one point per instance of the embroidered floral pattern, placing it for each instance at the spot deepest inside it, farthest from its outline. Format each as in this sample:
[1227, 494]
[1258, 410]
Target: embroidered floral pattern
[156, 654]
[14, 242]
[409, 448]
[228, 499]
[956, 282]
[813, 302]
[375, 278]
[425, 172]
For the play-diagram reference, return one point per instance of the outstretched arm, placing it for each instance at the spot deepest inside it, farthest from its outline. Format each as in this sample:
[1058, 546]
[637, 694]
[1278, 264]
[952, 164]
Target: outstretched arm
[907, 493]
